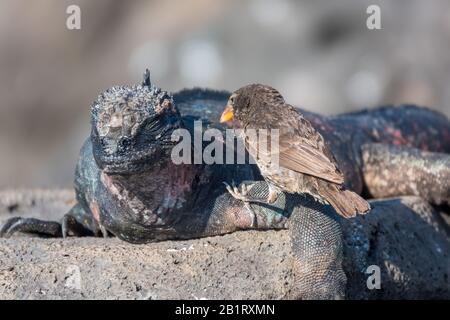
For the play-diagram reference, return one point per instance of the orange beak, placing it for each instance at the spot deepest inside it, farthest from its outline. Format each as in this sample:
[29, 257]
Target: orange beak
[227, 114]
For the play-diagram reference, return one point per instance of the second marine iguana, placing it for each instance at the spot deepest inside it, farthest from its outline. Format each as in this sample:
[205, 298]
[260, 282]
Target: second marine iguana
[127, 185]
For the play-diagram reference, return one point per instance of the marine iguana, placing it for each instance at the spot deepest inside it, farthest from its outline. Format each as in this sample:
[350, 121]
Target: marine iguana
[127, 185]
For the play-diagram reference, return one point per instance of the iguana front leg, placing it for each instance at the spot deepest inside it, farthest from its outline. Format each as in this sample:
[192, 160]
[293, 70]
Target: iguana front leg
[316, 240]
[77, 222]
[317, 246]
[30, 225]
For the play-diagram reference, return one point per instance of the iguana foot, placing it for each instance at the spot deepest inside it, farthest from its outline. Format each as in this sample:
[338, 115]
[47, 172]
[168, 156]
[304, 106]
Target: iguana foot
[71, 226]
[75, 223]
[68, 226]
[30, 225]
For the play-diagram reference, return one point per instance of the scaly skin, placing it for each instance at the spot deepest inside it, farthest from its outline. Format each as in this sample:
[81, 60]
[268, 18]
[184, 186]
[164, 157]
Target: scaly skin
[152, 199]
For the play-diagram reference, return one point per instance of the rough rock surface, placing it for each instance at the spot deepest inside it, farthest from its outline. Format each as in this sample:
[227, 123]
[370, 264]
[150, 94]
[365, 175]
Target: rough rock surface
[411, 248]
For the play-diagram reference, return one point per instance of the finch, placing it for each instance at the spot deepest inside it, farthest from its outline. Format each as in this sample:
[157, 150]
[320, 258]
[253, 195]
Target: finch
[304, 162]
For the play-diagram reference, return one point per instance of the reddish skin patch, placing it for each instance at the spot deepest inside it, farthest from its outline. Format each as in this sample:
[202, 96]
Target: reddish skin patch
[241, 220]
[109, 184]
[95, 209]
[397, 136]
[446, 136]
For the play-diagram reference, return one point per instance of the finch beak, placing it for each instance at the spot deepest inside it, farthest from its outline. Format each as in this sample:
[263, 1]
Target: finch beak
[227, 114]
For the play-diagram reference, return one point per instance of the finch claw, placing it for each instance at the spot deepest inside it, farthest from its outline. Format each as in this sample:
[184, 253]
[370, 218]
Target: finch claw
[228, 187]
[235, 192]
[244, 189]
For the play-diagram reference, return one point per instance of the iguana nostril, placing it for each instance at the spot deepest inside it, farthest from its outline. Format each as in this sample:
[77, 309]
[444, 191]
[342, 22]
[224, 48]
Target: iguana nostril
[116, 121]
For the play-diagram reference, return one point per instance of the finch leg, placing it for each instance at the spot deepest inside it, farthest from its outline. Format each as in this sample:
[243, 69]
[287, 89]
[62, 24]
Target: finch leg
[243, 194]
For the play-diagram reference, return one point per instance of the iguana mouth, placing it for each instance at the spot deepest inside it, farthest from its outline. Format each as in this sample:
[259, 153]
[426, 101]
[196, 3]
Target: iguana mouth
[126, 167]
[116, 164]
[132, 162]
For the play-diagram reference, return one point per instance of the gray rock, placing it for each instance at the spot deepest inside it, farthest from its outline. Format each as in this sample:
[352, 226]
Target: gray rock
[410, 243]
[411, 246]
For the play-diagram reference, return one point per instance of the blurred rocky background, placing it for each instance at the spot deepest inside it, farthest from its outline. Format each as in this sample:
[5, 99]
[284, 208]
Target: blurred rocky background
[319, 54]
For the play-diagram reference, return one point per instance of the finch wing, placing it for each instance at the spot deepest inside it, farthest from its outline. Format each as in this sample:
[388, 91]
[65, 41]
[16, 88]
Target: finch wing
[305, 158]
[303, 149]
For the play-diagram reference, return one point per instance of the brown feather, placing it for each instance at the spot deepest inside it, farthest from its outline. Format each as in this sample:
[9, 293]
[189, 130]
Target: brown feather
[305, 159]
[347, 203]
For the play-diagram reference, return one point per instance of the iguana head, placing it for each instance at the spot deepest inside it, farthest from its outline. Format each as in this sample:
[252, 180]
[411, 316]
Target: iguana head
[132, 126]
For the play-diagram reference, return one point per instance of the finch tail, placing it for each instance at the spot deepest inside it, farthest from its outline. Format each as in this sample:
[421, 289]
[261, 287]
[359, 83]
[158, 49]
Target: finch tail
[347, 203]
